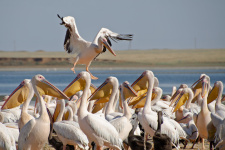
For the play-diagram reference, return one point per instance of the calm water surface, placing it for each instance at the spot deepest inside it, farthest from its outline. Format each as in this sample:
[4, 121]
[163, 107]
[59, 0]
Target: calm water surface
[9, 80]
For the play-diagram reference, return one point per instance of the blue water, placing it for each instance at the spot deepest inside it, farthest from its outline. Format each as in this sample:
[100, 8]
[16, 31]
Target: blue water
[9, 80]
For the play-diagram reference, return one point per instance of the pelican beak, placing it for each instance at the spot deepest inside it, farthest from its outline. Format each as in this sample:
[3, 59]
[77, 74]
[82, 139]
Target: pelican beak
[140, 83]
[128, 92]
[142, 99]
[198, 84]
[17, 97]
[76, 85]
[140, 103]
[175, 96]
[106, 44]
[61, 19]
[197, 88]
[97, 107]
[213, 94]
[102, 100]
[180, 101]
[46, 88]
[140, 95]
[103, 91]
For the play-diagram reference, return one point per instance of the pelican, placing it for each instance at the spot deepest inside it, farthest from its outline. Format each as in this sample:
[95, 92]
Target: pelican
[25, 117]
[203, 119]
[88, 51]
[123, 124]
[68, 131]
[108, 89]
[34, 133]
[149, 117]
[216, 93]
[186, 94]
[188, 124]
[219, 123]
[96, 128]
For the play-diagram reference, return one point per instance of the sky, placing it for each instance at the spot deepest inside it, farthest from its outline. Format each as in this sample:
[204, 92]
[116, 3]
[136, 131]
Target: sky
[159, 24]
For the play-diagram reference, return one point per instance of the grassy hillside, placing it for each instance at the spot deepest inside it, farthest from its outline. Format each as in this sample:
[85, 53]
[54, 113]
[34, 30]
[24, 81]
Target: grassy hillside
[126, 58]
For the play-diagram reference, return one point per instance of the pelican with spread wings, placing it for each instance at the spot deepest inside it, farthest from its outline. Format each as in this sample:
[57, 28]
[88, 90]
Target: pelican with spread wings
[87, 51]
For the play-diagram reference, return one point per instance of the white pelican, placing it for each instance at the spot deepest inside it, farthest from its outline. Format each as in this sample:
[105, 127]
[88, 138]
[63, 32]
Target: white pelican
[188, 124]
[186, 95]
[25, 117]
[7, 141]
[35, 133]
[216, 94]
[203, 119]
[67, 131]
[219, 123]
[123, 124]
[88, 51]
[108, 89]
[149, 117]
[96, 128]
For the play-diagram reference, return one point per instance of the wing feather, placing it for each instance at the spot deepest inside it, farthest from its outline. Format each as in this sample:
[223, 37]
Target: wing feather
[25, 133]
[104, 129]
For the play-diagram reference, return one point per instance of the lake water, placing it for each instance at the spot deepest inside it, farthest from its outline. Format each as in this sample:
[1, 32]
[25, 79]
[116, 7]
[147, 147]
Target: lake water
[9, 80]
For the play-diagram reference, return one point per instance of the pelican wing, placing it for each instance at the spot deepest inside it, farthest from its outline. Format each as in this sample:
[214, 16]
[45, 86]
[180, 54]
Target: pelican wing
[71, 132]
[67, 42]
[73, 44]
[25, 133]
[104, 129]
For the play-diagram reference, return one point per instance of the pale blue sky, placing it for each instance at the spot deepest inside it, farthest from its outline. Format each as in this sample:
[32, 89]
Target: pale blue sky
[171, 24]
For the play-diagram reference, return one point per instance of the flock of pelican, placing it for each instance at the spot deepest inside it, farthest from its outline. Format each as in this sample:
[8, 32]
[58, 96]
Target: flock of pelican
[112, 116]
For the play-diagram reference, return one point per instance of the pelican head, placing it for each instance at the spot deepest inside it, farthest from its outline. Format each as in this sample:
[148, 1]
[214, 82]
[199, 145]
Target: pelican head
[175, 97]
[77, 84]
[44, 87]
[67, 21]
[128, 91]
[141, 83]
[18, 96]
[201, 85]
[218, 85]
[107, 44]
[105, 89]
[181, 99]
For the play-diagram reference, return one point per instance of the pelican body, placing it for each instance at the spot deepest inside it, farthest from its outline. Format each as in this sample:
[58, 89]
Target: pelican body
[87, 51]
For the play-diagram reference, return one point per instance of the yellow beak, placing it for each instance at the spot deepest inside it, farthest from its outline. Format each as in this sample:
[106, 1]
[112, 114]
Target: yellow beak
[213, 94]
[17, 97]
[76, 85]
[181, 101]
[46, 88]
[103, 91]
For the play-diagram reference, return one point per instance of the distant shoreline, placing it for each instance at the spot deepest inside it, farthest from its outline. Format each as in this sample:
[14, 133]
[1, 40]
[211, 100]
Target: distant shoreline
[54, 68]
